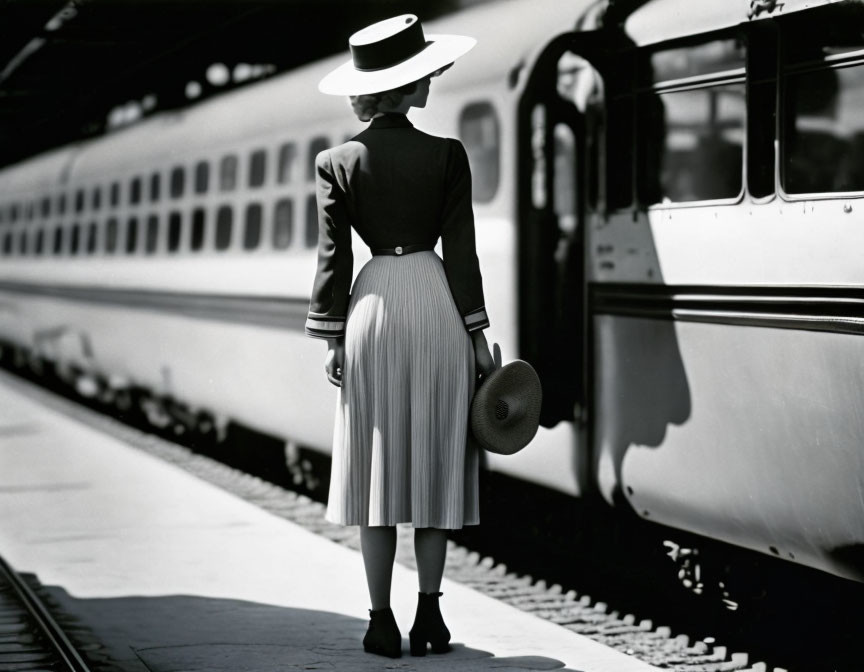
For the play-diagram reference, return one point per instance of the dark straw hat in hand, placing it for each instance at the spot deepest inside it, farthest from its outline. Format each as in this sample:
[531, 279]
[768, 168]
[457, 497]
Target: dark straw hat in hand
[505, 412]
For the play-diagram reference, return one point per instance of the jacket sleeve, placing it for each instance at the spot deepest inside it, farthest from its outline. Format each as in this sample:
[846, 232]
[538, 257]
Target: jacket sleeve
[457, 240]
[329, 304]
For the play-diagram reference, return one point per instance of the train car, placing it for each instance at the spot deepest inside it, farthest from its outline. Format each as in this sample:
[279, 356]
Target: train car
[667, 196]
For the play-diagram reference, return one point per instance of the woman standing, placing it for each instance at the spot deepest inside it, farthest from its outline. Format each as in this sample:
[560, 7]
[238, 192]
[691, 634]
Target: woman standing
[404, 341]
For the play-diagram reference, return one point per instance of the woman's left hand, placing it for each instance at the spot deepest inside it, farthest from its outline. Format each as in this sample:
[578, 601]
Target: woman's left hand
[483, 359]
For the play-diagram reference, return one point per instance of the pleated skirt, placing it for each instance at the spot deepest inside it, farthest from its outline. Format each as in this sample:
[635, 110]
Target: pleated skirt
[400, 446]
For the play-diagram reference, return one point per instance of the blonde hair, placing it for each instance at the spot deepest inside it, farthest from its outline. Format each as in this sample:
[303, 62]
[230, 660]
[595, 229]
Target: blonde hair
[368, 105]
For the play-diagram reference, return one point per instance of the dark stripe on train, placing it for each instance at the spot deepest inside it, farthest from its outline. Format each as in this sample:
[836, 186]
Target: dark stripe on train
[281, 313]
[833, 309]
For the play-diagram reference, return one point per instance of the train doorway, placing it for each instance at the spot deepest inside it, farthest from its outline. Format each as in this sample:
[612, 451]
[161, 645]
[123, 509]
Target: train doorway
[558, 115]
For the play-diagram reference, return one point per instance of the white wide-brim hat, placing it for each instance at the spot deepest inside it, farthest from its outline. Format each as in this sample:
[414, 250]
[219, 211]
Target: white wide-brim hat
[390, 54]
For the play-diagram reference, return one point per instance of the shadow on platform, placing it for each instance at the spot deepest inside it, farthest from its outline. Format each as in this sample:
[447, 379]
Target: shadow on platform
[178, 633]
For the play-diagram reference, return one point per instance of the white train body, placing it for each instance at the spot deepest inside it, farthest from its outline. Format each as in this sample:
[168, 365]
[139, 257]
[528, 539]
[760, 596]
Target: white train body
[716, 381]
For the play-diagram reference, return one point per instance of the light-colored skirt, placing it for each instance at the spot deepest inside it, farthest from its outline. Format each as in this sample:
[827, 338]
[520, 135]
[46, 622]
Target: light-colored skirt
[400, 449]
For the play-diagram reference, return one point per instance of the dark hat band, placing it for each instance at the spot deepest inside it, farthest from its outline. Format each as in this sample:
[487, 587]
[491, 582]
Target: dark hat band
[389, 51]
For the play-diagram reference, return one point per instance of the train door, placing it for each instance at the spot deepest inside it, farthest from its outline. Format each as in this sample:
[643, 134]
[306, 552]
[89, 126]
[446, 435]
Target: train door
[556, 128]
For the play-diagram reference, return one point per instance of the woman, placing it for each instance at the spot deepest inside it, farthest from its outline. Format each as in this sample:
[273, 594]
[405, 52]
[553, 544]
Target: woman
[404, 343]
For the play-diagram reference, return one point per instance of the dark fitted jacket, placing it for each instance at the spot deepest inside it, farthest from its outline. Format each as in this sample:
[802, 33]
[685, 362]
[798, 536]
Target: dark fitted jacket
[396, 186]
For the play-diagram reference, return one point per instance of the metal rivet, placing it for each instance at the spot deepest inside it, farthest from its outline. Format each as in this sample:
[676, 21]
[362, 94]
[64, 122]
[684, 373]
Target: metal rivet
[398, 250]
[847, 208]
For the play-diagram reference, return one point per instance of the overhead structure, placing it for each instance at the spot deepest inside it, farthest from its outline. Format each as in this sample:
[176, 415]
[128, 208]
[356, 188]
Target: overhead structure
[71, 69]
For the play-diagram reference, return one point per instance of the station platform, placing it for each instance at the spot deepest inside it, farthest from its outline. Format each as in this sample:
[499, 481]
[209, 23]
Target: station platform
[169, 573]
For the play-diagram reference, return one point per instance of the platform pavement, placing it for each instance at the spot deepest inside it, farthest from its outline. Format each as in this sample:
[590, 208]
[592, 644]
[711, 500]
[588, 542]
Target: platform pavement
[171, 574]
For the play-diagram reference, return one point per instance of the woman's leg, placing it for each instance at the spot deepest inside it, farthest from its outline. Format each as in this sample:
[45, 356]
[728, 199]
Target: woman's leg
[378, 545]
[430, 549]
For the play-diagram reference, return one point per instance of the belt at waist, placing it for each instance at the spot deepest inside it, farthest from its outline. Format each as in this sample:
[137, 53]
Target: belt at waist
[403, 249]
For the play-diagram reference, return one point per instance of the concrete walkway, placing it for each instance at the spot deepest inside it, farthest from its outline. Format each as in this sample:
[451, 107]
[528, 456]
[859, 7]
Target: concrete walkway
[170, 574]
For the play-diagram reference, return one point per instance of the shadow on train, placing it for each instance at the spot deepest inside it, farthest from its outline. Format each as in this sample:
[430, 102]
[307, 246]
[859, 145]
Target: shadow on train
[189, 632]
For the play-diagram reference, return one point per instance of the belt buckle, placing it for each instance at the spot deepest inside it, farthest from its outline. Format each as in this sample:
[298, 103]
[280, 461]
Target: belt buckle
[398, 250]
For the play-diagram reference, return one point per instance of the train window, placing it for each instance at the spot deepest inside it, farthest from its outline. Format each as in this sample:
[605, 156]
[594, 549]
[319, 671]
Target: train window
[202, 177]
[228, 173]
[257, 168]
[538, 157]
[564, 187]
[823, 138]
[131, 235]
[92, 237]
[480, 131]
[155, 187]
[115, 194]
[2, 213]
[175, 230]
[151, 240]
[46, 207]
[22, 243]
[13, 213]
[7, 243]
[316, 146]
[96, 198]
[135, 190]
[690, 139]
[75, 238]
[287, 161]
[40, 242]
[252, 229]
[199, 222]
[224, 225]
[61, 204]
[79, 200]
[311, 239]
[178, 181]
[111, 235]
[692, 144]
[58, 240]
[830, 31]
[283, 223]
[710, 58]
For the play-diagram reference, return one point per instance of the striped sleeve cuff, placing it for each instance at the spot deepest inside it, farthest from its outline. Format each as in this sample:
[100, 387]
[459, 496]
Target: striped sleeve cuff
[476, 319]
[321, 326]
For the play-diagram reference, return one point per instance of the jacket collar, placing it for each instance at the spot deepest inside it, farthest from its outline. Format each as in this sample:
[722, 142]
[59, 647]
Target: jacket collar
[391, 120]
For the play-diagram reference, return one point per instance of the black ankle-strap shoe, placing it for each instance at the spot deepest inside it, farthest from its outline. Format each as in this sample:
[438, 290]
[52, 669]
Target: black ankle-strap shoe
[429, 626]
[383, 636]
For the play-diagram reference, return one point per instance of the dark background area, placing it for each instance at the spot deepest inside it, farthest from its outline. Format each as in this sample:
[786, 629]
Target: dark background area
[66, 66]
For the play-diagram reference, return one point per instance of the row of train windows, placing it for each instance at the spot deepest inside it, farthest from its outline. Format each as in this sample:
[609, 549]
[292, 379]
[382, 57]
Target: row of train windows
[691, 110]
[148, 235]
[199, 178]
[478, 127]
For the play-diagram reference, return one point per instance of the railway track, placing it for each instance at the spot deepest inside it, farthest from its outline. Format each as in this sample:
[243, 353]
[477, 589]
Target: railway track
[587, 615]
[30, 637]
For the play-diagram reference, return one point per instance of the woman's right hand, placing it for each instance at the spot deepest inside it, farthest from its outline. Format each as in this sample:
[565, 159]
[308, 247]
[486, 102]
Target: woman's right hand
[335, 360]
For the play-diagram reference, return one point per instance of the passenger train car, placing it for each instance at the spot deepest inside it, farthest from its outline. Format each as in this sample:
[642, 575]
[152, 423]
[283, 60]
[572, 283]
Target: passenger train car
[669, 212]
